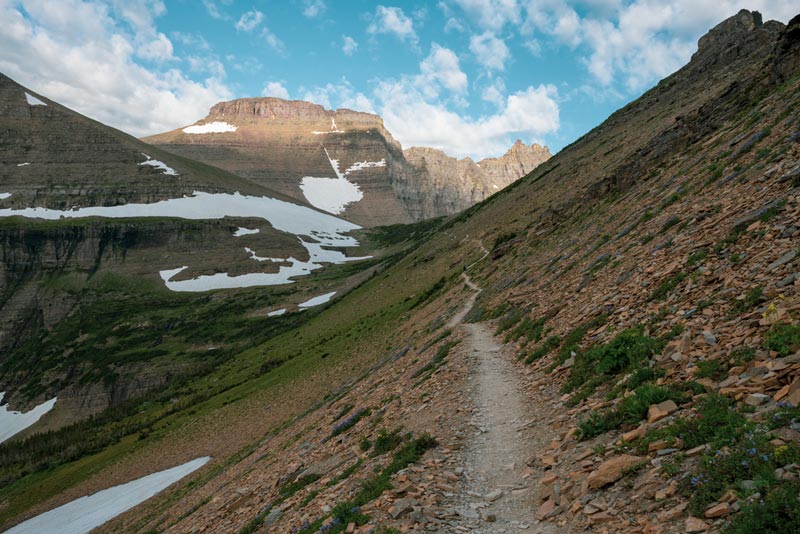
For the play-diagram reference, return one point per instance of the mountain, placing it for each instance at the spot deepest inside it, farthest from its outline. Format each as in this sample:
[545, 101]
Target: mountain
[451, 185]
[609, 343]
[344, 162]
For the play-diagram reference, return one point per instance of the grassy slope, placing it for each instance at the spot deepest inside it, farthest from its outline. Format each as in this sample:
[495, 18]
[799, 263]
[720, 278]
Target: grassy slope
[244, 402]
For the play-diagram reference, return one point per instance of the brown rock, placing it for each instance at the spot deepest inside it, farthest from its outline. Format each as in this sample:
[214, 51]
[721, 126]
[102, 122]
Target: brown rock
[612, 470]
[545, 509]
[659, 411]
[694, 525]
[718, 510]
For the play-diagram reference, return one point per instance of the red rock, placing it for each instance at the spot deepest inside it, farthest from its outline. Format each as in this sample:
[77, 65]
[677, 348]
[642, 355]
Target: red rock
[612, 470]
[718, 510]
[659, 411]
[694, 525]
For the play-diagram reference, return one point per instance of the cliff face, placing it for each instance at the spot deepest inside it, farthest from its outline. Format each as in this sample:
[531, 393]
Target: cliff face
[278, 143]
[444, 185]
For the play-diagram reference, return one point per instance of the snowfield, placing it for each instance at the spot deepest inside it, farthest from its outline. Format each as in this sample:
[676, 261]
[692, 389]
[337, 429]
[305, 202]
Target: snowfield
[211, 127]
[4, 196]
[334, 194]
[276, 312]
[87, 513]
[12, 423]
[330, 194]
[327, 230]
[316, 301]
[32, 100]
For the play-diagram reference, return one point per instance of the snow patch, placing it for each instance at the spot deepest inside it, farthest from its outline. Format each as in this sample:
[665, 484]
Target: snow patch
[330, 194]
[253, 256]
[23, 164]
[334, 164]
[326, 229]
[32, 100]
[87, 513]
[4, 196]
[211, 127]
[276, 312]
[169, 171]
[359, 165]
[316, 301]
[245, 231]
[334, 129]
[12, 422]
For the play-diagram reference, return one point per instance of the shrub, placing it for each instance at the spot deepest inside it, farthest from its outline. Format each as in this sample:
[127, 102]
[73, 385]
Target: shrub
[783, 338]
[386, 441]
[778, 513]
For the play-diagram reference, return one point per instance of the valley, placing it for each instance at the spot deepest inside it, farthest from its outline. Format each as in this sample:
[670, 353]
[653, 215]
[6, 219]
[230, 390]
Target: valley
[607, 344]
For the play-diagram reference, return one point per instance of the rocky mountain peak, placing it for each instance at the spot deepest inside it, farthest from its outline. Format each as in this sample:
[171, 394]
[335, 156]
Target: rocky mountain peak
[736, 36]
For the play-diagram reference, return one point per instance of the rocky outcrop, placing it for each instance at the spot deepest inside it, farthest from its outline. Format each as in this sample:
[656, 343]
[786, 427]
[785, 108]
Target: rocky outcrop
[278, 143]
[446, 185]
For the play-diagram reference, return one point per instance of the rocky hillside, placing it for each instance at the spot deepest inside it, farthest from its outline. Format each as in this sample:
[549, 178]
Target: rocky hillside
[313, 154]
[449, 185]
[629, 361]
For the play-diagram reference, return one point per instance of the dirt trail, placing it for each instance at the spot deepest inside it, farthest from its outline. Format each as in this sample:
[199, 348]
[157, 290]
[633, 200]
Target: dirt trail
[500, 490]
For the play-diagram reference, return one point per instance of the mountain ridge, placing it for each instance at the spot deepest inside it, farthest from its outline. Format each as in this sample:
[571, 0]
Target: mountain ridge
[283, 144]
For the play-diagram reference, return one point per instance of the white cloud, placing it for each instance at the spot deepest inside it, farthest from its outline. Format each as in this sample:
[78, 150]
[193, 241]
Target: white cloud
[349, 45]
[250, 20]
[392, 20]
[495, 92]
[339, 95]
[492, 14]
[454, 24]
[76, 54]
[191, 40]
[415, 121]
[534, 47]
[442, 66]
[635, 44]
[491, 52]
[214, 11]
[159, 49]
[275, 89]
[313, 8]
[273, 41]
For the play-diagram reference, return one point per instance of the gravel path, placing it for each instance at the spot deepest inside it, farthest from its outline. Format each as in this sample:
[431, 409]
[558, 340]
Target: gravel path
[500, 489]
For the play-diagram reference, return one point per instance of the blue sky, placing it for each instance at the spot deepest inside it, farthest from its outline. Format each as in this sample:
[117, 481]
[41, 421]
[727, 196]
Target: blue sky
[466, 76]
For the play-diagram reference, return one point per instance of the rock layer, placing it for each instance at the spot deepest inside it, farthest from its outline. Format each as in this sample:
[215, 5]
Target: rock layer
[278, 142]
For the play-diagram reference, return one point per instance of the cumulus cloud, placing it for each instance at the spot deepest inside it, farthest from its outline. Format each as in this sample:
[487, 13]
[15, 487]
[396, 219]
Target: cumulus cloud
[76, 53]
[275, 89]
[492, 14]
[250, 20]
[495, 92]
[392, 20]
[415, 121]
[491, 52]
[313, 8]
[339, 95]
[441, 67]
[349, 45]
[635, 44]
